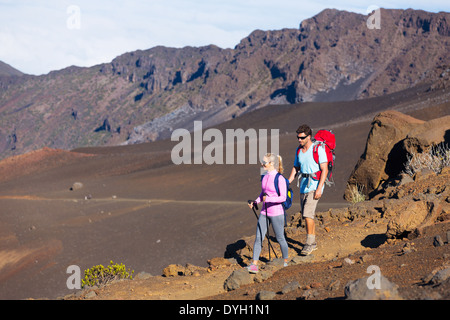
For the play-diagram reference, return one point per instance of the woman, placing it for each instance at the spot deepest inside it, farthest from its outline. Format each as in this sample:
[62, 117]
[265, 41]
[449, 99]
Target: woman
[272, 209]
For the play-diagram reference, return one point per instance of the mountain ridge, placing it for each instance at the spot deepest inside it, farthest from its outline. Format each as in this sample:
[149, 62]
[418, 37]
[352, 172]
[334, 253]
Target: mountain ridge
[143, 95]
[7, 70]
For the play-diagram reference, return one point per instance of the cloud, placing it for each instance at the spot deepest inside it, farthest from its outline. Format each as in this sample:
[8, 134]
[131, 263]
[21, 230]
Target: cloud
[35, 37]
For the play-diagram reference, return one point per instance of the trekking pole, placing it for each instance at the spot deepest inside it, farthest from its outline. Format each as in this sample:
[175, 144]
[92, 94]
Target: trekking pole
[267, 228]
[267, 235]
[255, 205]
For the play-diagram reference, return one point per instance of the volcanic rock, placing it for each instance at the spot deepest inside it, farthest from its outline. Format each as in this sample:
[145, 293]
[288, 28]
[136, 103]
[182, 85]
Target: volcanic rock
[393, 137]
[359, 290]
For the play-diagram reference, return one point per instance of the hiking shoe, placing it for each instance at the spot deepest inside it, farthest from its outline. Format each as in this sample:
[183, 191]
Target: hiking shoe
[308, 249]
[253, 268]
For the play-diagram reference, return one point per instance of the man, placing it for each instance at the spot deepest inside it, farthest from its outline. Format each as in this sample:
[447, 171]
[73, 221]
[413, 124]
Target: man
[311, 189]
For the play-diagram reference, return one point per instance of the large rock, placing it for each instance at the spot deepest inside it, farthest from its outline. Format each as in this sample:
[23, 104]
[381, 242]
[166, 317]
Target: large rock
[361, 289]
[265, 295]
[218, 262]
[392, 138]
[410, 215]
[237, 279]
[440, 277]
[422, 137]
[388, 128]
[406, 217]
[174, 270]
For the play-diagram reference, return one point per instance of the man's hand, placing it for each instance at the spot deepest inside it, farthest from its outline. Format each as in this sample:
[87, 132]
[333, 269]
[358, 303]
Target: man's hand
[318, 194]
[293, 174]
[323, 176]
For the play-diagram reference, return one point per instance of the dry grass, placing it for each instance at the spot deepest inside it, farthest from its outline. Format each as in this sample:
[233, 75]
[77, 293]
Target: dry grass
[356, 193]
[435, 159]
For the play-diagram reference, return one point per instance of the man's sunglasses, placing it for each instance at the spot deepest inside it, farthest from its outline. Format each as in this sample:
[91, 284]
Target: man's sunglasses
[302, 138]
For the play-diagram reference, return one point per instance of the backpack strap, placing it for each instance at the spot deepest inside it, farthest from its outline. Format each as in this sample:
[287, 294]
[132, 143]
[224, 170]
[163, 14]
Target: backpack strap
[277, 177]
[276, 181]
[316, 146]
[298, 150]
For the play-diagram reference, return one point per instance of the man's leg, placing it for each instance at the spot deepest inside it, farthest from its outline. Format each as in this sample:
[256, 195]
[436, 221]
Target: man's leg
[310, 228]
[309, 204]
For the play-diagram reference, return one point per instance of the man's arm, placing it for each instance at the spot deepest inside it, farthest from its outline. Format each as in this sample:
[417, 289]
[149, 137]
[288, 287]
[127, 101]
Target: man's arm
[293, 174]
[323, 177]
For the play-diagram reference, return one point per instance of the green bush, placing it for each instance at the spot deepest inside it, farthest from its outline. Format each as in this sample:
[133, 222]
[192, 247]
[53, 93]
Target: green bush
[99, 275]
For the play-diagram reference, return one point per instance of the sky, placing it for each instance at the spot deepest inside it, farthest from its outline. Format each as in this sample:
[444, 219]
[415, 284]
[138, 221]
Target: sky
[39, 36]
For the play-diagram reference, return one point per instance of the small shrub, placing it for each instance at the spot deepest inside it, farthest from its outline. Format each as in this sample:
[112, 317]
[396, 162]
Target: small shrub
[435, 159]
[356, 193]
[99, 275]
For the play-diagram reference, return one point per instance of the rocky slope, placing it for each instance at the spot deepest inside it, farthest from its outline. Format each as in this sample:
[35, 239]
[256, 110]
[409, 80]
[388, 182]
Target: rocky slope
[354, 241]
[403, 234]
[7, 70]
[144, 95]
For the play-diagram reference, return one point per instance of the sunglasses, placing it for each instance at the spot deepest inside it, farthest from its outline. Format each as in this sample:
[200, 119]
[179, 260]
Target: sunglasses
[263, 163]
[302, 138]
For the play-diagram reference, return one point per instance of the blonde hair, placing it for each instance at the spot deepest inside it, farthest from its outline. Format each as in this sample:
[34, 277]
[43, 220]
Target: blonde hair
[276, 160]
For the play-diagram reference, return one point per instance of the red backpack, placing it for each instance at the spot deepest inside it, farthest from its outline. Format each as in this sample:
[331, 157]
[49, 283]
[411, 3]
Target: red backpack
[327, 139]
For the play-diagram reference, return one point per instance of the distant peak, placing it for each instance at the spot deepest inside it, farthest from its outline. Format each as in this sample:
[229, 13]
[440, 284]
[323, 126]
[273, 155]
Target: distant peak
[7, 70]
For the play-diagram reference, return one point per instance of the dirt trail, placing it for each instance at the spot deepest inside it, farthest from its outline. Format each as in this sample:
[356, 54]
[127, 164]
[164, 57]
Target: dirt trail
[118, 199]
[339, 239]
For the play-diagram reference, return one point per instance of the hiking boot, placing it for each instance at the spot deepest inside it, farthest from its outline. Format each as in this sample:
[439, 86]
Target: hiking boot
[253, 268]
[308, 249]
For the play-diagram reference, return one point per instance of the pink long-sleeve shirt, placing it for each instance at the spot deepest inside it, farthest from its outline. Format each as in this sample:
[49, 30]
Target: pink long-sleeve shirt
[273, 206]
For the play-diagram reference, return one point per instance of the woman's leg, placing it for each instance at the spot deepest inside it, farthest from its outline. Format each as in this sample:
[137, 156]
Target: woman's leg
[261, 229]
[278, 227]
